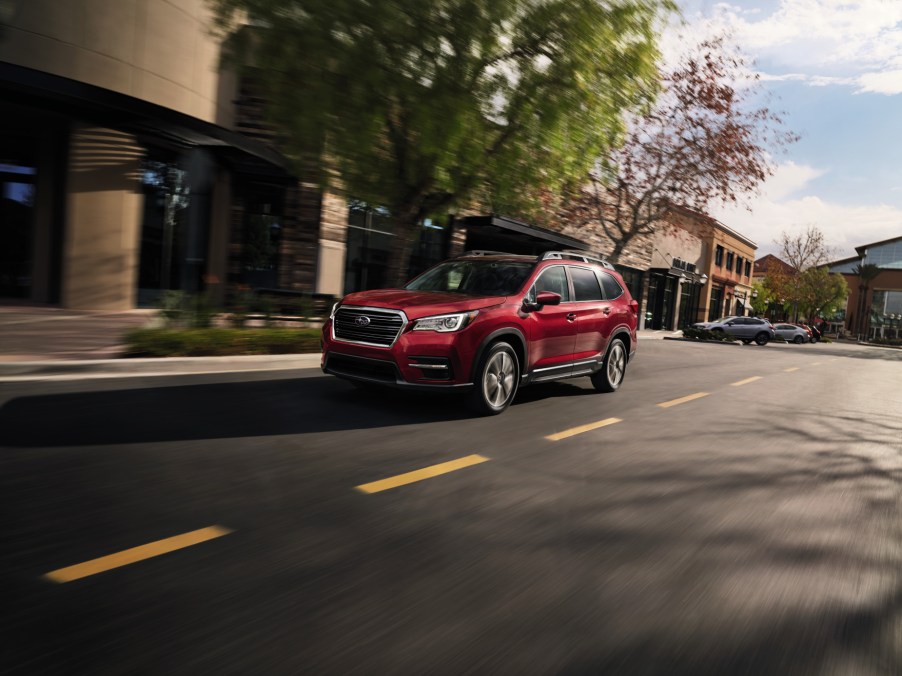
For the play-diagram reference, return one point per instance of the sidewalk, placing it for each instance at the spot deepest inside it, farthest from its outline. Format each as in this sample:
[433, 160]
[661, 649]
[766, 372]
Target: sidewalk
[48, 343]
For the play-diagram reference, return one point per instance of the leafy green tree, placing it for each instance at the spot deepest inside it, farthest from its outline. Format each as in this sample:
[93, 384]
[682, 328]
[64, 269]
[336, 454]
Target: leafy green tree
[422, 105]
[821, 293]
[761, 298]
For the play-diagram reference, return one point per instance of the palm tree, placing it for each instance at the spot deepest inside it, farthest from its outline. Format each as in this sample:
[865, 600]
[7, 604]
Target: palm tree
[866, 273]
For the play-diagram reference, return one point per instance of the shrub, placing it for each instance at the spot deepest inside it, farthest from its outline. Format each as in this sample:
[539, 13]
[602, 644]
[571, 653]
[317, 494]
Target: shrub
[213, 342]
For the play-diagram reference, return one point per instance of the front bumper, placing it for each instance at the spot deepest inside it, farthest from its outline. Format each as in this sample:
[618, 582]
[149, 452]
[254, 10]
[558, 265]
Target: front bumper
[417, 360]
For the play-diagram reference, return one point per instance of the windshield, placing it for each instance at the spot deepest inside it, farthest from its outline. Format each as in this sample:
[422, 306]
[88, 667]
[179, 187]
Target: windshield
[474, 278]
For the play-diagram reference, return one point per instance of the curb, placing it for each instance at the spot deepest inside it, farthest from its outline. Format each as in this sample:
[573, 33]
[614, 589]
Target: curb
[704, 342]
[121, 368]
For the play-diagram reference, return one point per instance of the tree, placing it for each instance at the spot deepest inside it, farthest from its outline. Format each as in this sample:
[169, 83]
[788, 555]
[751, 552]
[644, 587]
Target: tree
[701, 143]
[821, 292]
[417, 104]
[792, 285]
[805, 249]
[761, 298]
[866, 273]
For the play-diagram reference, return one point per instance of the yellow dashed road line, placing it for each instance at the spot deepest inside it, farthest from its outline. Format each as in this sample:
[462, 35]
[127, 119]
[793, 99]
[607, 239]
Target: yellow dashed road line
[746, 381]
[135, 554]
[683, 400]
[790, 370]
[420, 474]
[573, 431]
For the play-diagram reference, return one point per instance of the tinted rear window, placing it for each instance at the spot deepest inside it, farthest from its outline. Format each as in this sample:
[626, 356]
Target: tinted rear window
[612, 288]
[585, 284]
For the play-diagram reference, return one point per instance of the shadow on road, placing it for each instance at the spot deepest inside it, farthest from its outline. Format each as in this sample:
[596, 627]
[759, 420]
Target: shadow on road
[214, 411]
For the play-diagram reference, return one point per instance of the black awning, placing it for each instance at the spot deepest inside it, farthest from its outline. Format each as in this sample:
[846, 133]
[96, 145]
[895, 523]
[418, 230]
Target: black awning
[28, 87]
[501, 233]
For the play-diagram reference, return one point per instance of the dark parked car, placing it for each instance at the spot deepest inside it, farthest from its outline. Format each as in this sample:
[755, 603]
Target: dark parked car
[486, 323]
[747, 329]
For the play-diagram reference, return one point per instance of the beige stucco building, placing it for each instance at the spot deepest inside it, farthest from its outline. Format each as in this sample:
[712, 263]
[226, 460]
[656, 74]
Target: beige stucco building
[131, 163]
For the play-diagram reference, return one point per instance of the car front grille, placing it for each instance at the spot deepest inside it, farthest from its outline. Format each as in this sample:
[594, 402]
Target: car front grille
[368, 326]
[361, 368]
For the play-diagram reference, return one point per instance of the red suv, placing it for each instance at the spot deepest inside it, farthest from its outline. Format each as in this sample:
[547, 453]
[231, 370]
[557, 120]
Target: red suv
[486, 323]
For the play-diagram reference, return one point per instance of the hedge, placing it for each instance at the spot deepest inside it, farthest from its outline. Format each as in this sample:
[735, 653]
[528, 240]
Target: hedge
[215, 342]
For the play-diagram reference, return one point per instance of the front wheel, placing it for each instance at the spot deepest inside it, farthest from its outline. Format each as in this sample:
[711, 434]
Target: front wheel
[496, 380]
[610, 377]
[761, 338]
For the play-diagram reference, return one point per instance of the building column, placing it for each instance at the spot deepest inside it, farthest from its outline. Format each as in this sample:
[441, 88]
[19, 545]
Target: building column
[333, 236]
[101, 246]
[220, 231]
[678, 301]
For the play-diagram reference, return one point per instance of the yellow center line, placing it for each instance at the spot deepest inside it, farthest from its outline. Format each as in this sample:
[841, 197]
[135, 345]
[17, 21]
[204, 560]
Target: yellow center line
[817, 363]
[746, 381]
[573, 431]
[790, 370]
[135, 554]
[420, 474]
[683, 400]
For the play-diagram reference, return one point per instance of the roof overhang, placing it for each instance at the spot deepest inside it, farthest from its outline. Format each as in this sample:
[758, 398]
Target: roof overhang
[28, 87]
[541, 237]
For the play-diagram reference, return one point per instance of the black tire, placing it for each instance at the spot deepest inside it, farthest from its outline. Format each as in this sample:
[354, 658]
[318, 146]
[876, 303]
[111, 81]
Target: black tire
[746, 341]
[798, 340]
[761, 338]
[613, 370]
[496, 381]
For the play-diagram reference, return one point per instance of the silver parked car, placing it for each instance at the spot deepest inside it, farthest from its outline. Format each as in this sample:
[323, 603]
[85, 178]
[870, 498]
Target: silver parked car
[792, 333]
[747, 329]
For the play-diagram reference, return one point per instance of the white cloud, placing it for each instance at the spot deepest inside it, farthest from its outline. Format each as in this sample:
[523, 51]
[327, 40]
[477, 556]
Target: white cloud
[784, 205]
[821, 42]
[887, 82]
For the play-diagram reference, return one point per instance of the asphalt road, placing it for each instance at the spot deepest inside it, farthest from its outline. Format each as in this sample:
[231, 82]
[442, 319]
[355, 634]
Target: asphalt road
[751, 530]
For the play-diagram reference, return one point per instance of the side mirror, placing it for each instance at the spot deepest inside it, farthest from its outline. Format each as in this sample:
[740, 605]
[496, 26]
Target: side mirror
[542, 298]
[548, 298]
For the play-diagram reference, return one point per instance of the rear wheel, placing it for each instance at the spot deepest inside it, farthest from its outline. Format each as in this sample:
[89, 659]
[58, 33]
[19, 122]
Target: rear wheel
[798, 340]
[613, 369]
[761, 338]
[496, 382]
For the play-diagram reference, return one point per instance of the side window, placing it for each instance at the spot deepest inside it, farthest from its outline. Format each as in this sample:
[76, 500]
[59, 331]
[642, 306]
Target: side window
[585, 284]
[718, 256]
[553, 279]
[612, 288]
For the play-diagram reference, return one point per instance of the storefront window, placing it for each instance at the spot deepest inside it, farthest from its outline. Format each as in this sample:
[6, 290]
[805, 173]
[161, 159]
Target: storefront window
[166, 201]
[261, 237]
[17, 200]
[371, 234]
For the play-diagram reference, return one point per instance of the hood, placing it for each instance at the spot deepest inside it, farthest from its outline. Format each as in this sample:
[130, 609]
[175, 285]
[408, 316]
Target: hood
[417, 304]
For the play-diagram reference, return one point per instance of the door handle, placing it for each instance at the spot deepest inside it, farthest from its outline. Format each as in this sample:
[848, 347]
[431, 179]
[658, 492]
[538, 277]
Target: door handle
[607, 311]
[571, 317]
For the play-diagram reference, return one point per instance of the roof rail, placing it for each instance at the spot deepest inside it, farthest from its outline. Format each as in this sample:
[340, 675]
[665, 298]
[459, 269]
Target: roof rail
[481, 252]
[575, 256]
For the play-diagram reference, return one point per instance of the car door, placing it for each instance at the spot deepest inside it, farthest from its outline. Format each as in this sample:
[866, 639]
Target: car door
[740, 327]
[552, 328]
[595, 318]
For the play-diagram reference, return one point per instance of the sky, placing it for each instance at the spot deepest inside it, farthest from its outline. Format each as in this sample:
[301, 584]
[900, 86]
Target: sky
[833, 68]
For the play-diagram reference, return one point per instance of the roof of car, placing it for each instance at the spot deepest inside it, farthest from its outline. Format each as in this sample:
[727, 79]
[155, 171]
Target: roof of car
[557, 256]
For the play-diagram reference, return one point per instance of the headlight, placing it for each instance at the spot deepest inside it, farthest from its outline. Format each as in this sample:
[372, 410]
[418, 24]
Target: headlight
[445, 323]
[334, 308]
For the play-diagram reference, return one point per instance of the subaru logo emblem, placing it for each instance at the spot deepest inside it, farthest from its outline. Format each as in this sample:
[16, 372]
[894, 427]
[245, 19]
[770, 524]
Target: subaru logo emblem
[362, 320]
